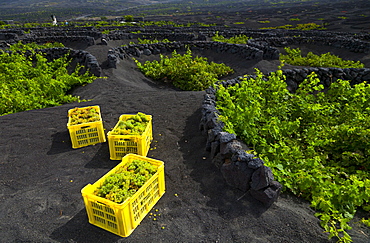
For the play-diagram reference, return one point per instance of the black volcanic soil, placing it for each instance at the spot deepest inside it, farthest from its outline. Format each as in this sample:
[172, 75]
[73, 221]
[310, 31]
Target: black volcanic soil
[41, 175]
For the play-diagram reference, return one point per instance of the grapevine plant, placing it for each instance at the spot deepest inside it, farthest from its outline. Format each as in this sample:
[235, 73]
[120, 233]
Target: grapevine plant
[29, 82]
[317, 143]
[294, 57]
[184, 71]
[148, 41]
[307, 26]
[238, 39]
[126, 181]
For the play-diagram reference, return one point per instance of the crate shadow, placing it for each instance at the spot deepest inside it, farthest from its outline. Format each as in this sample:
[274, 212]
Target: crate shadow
[61, 143]
[102, 159]
[78, 229]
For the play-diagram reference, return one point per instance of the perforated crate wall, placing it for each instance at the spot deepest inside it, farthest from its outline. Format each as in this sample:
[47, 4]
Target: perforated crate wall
[122, 219]
[120, 145]
[86, 134]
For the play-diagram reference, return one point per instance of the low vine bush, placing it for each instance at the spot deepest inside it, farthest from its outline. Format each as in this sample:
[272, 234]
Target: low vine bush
[294, 57]
[317, 143]
[184, 71]
[307, 26]
[238, 39]
[29, 82]
[20, 47]
[148, 41]
[102, 24]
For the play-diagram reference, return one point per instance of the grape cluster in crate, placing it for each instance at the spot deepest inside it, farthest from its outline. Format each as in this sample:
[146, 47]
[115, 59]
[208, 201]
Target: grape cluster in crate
[119, 200]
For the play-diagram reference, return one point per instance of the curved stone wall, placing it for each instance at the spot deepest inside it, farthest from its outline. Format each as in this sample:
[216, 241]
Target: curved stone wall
[87, 60]
[326, 75]
[245, 51]
[239, 168]
[118, 35]
[62, 39]
[350, 44]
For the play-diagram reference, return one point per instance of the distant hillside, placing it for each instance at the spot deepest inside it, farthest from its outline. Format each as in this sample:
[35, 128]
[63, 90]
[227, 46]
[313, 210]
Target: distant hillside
[37, 4]
[36, 10]
[40, 11]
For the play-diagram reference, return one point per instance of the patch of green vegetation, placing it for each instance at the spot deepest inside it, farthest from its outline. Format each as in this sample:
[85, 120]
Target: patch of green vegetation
[129, 18]
[107, 31]
[107, 24]
[29, 82]
[239, 39]
[264, 21]
[184, 71]
[148, 41]
[136, 32]
[308, 26]
[294, 57]
[316, 143]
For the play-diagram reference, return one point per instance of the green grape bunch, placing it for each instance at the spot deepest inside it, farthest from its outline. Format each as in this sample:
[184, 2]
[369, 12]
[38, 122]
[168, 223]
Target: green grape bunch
[84, 115]
[126, 181]
[134, 125]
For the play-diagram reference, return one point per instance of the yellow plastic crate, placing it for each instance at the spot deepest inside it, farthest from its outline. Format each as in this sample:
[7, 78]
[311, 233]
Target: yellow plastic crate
[122, 219]
[120, 145]
[88, 133]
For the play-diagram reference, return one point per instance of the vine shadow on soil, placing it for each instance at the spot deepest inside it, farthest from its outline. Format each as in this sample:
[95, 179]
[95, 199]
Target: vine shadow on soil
[230, 202]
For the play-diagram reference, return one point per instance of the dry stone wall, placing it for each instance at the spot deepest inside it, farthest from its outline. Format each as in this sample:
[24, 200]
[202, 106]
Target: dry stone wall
[246, 51]
[159, 36]
[240, 169]
[326, 75]
[87, 60]
[43, 35]
[351, 44]
[88, 40]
